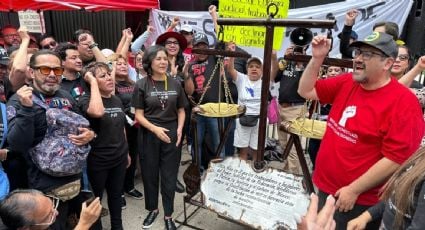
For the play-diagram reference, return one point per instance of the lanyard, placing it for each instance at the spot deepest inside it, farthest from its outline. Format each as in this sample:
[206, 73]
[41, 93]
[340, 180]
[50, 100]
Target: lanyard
[164, 96]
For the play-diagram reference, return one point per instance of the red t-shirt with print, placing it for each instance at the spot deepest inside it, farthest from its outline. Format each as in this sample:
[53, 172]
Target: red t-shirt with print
[363, 127]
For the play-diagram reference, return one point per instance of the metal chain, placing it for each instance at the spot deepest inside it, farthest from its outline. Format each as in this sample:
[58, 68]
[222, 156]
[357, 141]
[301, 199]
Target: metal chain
[227, 92]
[209, 82]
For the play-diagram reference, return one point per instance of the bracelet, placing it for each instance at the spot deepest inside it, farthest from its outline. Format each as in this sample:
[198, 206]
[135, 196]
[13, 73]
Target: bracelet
[93, 45]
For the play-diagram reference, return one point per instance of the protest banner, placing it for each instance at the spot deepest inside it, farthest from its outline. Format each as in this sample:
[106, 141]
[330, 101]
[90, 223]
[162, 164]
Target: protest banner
[371, 12]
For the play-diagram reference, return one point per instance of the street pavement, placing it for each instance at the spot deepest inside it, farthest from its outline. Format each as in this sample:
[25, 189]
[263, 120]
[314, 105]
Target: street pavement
[135, 212]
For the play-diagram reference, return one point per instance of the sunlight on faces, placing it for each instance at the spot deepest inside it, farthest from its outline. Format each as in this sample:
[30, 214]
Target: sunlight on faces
[104, 80]
[333, 71]
[83, 47]
[46, 83]
[172, 46]
[159, 63]
[11, 37]
[401, 63]
[48, 43]
[369, 63]
[254, 70]
[139, 60]
[121, 67]
[73, 61]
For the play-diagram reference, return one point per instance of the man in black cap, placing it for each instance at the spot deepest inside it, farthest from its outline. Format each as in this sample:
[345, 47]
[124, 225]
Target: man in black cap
[374, 125]
[197, 77]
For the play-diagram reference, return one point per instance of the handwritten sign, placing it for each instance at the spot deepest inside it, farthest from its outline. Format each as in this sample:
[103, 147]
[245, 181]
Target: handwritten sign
[266, 200]
[31, 19]
[252, 35]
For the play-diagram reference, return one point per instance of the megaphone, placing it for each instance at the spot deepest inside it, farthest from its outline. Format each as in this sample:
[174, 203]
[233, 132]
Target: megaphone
[301, 37]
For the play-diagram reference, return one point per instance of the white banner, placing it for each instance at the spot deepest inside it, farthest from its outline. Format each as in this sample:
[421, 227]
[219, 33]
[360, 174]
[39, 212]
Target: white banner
[371, 12]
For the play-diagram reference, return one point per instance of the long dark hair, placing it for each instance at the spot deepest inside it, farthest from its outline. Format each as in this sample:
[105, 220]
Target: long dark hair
[401, 187]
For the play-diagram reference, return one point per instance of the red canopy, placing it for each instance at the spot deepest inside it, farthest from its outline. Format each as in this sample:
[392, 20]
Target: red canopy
[90, 5]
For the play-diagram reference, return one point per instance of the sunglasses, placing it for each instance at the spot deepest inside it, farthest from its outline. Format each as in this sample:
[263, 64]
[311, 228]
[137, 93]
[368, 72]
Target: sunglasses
[49, 45]
[46, 70]
[403, 57]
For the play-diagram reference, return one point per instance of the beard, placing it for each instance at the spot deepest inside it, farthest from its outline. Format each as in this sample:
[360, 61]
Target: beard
[46, 89]
[360, 78]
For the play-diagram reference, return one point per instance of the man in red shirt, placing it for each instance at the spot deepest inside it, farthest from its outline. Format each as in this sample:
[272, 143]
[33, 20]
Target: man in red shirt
[374, 125]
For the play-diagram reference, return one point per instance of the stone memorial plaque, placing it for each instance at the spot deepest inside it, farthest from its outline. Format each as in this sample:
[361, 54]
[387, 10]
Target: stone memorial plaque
[265, 200]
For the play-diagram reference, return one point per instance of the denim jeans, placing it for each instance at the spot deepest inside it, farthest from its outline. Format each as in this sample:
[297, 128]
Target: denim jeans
[229, 147]
[210, 125]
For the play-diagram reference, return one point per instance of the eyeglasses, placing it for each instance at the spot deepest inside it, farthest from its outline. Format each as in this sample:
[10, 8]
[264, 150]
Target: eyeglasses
[45, 70]
[403, 57]
[171, 42]
[49, 45]
[55, 203]
[367, 55]
[139, 59]
[10, 35]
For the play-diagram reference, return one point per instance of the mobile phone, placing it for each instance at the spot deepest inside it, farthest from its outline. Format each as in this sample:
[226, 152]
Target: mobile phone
[89, 200]
[87, 196]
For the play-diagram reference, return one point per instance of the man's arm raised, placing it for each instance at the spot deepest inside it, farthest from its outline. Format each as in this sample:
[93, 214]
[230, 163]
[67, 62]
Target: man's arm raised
[320, 47]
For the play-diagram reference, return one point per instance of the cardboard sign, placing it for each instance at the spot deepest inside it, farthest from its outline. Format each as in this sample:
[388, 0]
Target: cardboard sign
[32, 20]
[252, 35]
[266, 200]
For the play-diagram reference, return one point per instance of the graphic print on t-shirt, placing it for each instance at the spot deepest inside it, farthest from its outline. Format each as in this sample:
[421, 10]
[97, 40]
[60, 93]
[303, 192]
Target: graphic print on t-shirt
[198, 72]
[349, 112]
[113, 112]
[58, 102]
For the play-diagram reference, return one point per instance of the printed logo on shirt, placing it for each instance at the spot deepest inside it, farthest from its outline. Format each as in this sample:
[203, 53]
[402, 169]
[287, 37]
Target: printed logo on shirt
[250, 91]
[342, 132]
[77, 92]
[349, 112]
[113, 112]
[57, 102]
[198, 75]
[125, 90]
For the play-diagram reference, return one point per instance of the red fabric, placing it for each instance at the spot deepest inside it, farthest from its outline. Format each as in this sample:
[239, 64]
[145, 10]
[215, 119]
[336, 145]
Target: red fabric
[387, 122]
[91, 5]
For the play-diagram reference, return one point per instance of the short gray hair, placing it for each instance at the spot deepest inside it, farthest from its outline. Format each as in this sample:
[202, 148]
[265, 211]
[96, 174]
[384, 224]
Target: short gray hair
[18, 206]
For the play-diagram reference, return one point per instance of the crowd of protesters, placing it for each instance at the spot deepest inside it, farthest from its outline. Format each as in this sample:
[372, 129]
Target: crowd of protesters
[140, 113]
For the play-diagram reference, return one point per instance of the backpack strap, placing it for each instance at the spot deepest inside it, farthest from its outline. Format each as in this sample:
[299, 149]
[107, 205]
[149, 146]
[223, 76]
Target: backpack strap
[4, 118]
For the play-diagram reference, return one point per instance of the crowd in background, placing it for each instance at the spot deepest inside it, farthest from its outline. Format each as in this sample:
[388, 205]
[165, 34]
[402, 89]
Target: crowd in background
[141, 111]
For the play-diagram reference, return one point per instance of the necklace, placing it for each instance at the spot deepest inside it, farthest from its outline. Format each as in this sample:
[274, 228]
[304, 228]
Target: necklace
[164, 96]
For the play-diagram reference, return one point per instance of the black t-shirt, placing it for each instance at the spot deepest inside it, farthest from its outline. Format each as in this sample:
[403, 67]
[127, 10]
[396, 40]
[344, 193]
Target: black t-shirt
[201, 71]
[109, 148]
[124, 91]
[289, 80]
[77, 87]
[147, 98]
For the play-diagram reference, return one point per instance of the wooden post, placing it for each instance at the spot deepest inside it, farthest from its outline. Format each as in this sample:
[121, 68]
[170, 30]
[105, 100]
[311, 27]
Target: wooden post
[270, 23]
